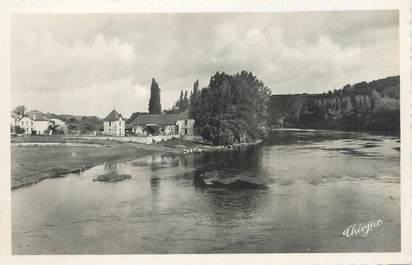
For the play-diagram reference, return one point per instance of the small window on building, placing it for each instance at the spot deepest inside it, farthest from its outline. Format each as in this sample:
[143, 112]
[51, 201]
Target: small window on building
[120, 123]
[110, 123]
[185, 122]
[185, 131]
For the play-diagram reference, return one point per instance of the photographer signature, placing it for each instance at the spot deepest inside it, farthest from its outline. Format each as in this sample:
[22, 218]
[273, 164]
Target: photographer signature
[361, 229]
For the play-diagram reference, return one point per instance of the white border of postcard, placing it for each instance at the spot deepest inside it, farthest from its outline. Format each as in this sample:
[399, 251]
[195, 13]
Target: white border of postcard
[137, 6]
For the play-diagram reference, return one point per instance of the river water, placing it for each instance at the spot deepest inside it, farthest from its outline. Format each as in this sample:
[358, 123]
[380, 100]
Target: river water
[318, 184]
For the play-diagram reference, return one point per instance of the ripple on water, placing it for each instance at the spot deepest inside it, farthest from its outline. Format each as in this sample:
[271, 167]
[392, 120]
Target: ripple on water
[316, 188]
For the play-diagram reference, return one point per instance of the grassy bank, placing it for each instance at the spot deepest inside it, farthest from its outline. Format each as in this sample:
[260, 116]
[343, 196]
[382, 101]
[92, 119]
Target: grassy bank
[31, 164]
[34, 158]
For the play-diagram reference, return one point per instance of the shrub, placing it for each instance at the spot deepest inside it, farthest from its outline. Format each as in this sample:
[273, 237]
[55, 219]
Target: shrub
[224, 137]
[18, 129]
[206, 133]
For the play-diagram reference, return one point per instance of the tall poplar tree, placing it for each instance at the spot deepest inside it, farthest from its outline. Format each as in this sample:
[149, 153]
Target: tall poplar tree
[154, 103]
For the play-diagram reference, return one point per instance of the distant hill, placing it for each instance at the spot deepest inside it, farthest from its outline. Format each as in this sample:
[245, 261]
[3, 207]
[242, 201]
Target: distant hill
[79, 122]
[373, 106]
[284, 105]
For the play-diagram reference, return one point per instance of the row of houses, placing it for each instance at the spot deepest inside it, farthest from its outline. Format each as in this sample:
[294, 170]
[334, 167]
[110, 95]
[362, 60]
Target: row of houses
[34, 122]
[114, 124]
[148, 124]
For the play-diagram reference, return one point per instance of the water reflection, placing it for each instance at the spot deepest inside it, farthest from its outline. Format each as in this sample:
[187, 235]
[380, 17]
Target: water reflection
[287, 137]
[112, 166]
[155, 185]
[239, 206]
[318, 184]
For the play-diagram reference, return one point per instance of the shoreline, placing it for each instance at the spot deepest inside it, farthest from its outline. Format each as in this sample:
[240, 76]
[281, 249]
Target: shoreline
[33, 159]
[379, 133]
[57, 172]
[60, 173]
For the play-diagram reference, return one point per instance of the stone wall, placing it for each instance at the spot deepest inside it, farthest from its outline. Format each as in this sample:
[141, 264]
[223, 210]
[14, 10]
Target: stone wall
[136, 139]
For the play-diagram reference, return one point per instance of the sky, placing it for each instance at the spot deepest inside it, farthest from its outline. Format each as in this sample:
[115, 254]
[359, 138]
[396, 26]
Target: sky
[89, 64]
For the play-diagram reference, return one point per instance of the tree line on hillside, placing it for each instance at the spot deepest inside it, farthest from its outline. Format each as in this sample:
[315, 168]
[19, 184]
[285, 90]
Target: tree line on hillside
[373, 106]
[76, 123]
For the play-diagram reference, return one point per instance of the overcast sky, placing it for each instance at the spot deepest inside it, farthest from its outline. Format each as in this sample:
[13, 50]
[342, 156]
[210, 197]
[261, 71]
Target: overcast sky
[92, 63]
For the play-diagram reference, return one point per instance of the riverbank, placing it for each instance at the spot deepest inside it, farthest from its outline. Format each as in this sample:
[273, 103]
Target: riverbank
[35, 158]
[303, 129]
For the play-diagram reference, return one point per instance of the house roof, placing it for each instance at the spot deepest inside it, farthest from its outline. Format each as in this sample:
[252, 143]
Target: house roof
[36, 116]
[160, 119]
[113, 116]
[128, 126]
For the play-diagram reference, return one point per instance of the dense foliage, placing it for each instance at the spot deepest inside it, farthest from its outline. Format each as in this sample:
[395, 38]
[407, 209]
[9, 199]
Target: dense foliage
[154, 103]
[77, 123]
[183, 102]
[18, 112]
[373, 106]
[231, 108]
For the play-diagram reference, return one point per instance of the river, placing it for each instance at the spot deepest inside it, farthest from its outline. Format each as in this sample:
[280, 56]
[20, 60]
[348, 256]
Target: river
[318, 184]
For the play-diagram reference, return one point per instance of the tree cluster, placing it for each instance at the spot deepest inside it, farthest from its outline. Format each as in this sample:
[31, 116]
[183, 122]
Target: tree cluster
[79, 123]
[373, 106]
[231, 108]
[181, 105]
[183, 102]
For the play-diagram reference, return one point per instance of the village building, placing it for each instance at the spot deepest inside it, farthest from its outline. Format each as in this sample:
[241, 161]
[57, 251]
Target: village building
[59, 126]
[114, 124]
[163, 124]
[35, 122]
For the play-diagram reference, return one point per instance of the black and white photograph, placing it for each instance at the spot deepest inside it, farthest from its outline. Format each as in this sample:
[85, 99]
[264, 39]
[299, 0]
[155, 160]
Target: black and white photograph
[205, 132]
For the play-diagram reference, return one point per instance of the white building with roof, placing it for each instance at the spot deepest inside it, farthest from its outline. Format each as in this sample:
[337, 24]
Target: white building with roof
[114, 124]
[163, 124]
[34, 122]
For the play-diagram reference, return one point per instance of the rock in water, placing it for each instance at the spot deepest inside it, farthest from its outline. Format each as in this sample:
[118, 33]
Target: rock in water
[240, 184]
[212, 179]
[199, 181]
[112, 177]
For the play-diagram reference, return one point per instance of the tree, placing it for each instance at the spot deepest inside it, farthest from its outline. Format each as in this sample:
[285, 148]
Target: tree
[18, 129]
[18, 112]
[373, 106]
[183, 102]
[195, 87]
[87, 126]
[154, 103]
[233, 106]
